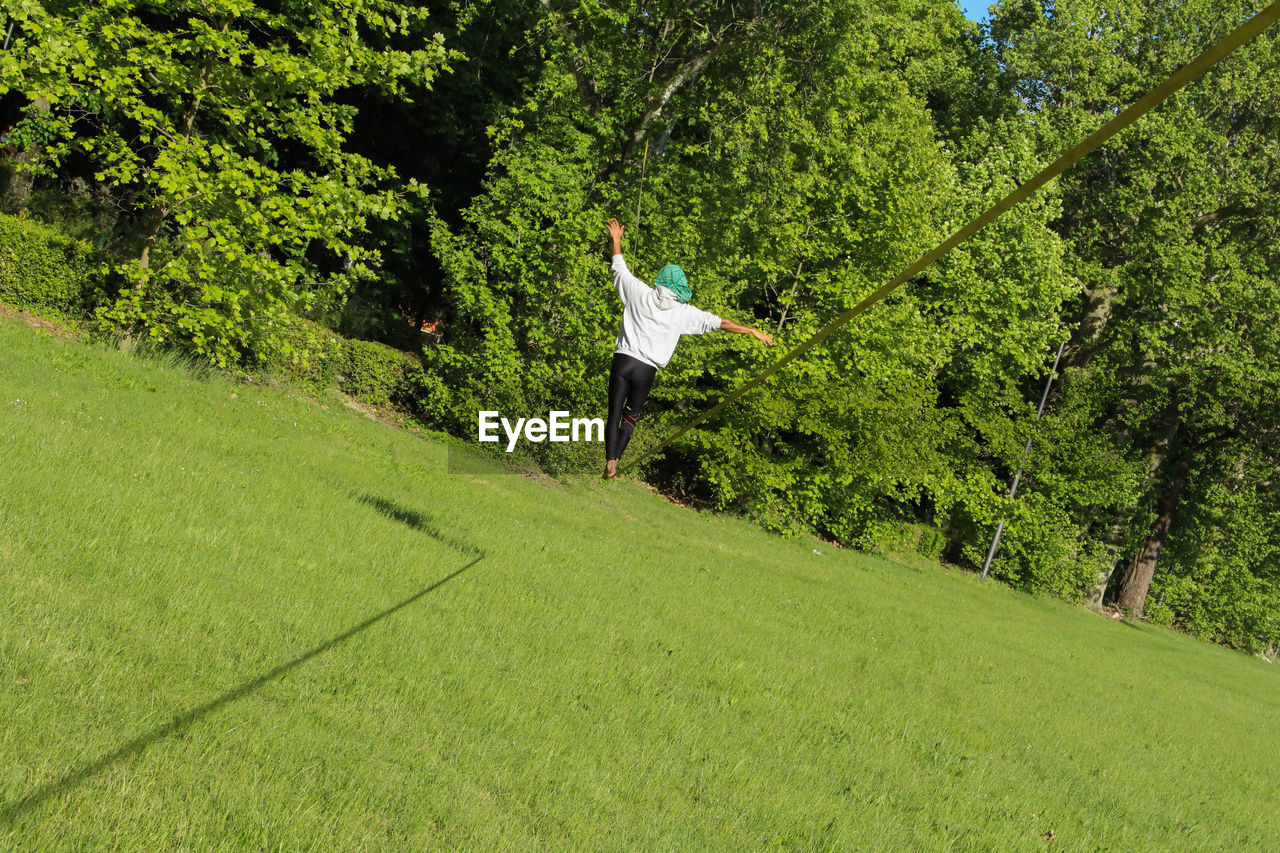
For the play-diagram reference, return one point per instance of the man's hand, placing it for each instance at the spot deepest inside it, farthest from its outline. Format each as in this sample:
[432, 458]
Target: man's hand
[763, 337]
[615, 232]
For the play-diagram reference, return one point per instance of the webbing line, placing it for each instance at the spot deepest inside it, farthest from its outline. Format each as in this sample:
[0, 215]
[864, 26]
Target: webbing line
[1221, 49]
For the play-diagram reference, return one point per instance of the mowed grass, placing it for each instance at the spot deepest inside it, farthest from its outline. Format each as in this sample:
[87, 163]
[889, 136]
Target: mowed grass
[233, 619]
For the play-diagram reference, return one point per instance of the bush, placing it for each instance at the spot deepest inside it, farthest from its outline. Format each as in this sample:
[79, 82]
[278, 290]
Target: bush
[44, 270]
[1042, 549]
[426, 396]
[371, 372]
[375, 373]
[311, 353]
[1218, 600]
[902, 537]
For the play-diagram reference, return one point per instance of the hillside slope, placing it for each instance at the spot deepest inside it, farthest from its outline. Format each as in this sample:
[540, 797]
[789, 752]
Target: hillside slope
[231, 618]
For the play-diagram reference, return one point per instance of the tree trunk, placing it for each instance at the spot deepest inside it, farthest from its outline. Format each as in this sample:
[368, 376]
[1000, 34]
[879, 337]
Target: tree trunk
[24, 164]
[1137, 579]
[151, 234]
[1097, 594]
[1095, 314]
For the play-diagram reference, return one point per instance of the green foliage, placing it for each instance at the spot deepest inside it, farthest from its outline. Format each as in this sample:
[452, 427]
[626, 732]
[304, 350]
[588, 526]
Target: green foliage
[316, 354]
[791, 157]
[1221, 580]
[425, 395]
[1042, 549]
[1170, 229]
[374, 373]
[219, 130]
[44, 270]
[904, 537]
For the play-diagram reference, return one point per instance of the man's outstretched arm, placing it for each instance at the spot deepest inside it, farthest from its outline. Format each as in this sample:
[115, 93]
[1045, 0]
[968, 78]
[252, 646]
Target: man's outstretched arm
[739, 329]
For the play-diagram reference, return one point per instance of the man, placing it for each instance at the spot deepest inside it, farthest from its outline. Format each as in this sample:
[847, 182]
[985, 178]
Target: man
[653, 319]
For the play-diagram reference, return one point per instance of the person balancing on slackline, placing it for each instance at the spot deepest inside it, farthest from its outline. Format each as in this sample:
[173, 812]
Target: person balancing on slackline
[653, 319]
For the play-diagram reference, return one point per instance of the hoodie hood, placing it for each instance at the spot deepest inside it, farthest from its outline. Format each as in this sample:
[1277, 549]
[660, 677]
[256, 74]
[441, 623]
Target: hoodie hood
[666, 298]
[674, 280]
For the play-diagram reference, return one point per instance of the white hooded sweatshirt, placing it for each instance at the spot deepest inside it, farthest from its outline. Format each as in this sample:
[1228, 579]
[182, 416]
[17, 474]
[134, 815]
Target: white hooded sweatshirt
[653, 319]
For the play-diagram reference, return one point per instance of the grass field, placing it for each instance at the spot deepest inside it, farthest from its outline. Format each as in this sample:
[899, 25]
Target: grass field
[233, 619]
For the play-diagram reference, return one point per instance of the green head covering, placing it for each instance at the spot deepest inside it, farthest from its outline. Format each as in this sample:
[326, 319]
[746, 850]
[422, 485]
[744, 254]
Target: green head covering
[673, 279]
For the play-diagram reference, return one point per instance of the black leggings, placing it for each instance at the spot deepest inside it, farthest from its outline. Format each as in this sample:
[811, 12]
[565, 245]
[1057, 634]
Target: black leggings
[629, 383]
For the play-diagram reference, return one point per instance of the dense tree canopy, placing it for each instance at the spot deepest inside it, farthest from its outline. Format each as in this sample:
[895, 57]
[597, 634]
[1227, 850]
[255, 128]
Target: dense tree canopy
[213, 130]
[451, 166]
[1172, 231]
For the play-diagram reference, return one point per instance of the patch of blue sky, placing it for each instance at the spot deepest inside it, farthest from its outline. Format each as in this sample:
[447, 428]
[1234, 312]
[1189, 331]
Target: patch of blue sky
[975, 10]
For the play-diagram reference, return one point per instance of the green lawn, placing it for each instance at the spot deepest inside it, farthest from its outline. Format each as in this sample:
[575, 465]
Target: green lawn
[231, 618]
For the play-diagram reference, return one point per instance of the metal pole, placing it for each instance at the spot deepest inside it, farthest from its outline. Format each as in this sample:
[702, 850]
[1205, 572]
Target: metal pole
[1013, 487]
[6, 36]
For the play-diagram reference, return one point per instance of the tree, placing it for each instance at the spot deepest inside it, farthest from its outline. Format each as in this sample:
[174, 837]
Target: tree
[1172, 228]
[216, 128]
[799, 168]
[440, 137]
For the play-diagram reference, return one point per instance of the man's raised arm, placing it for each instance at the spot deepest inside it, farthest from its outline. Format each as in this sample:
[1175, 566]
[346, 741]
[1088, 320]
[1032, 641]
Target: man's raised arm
[627, 285]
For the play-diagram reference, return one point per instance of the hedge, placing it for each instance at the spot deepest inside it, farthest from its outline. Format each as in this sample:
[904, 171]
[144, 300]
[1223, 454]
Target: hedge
[901, 537]
[375, 373]
[44, 270]
[312, 353]
[371, 372]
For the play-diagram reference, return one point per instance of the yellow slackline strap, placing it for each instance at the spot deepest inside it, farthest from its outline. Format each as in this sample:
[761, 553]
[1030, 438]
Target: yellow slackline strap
[1220, 50]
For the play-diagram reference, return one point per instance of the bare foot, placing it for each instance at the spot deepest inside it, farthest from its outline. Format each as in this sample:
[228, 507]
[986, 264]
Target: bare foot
[610, 469]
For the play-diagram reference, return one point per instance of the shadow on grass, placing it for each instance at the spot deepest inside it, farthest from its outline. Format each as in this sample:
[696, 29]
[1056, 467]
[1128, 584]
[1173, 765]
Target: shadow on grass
[11, 811]
[416, 521]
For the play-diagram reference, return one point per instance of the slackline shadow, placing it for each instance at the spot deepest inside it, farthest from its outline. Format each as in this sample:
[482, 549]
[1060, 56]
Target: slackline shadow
[11, 811]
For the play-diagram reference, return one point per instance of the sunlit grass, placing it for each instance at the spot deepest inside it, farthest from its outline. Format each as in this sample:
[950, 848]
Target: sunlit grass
[231, 618]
